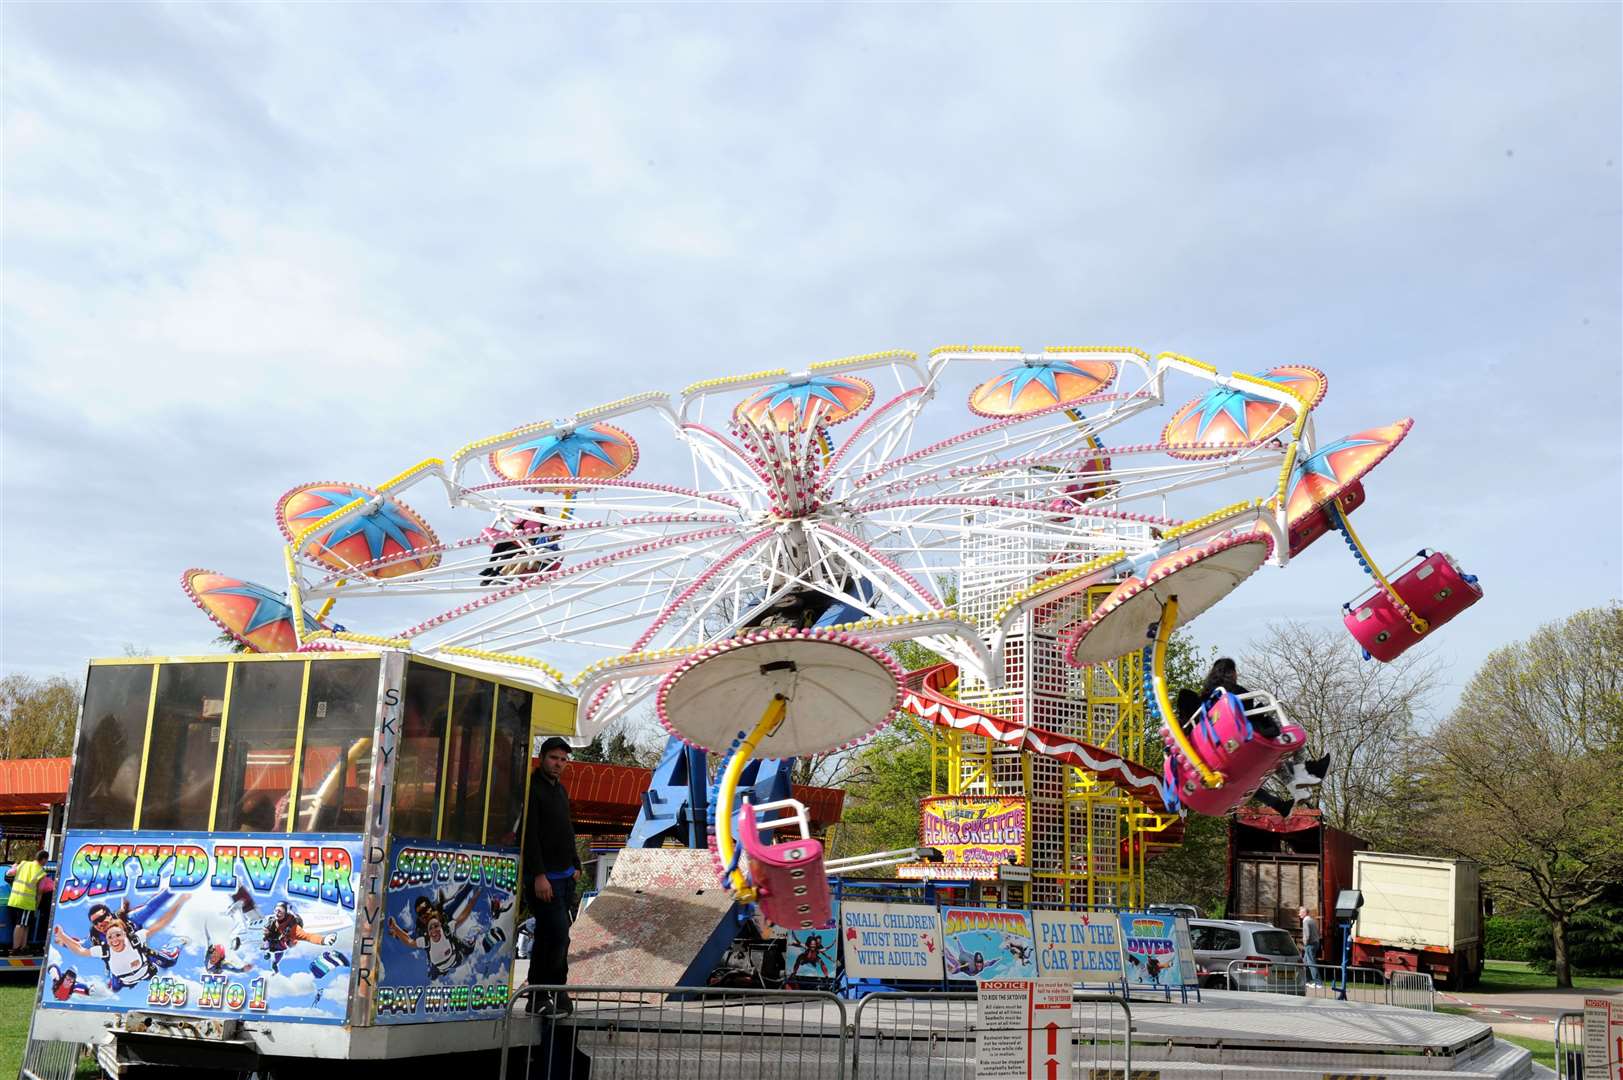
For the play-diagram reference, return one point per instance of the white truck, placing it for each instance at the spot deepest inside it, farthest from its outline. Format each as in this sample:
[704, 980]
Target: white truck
[1419, 914]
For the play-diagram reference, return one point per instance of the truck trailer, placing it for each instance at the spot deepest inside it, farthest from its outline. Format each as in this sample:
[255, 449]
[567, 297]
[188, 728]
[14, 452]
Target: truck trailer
[1279, 864]
[1419, 914]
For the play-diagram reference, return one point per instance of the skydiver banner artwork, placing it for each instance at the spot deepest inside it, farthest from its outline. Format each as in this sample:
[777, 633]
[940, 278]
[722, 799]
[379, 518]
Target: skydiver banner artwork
[254, 926]
[446, 950]
[1157, 950]
[987, 943]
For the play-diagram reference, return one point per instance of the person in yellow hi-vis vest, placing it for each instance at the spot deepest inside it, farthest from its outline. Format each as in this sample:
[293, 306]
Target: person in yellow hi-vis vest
[24, 898]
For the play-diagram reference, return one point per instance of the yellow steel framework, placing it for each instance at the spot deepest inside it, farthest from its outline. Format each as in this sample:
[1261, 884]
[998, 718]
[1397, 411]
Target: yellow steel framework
[1105, 833]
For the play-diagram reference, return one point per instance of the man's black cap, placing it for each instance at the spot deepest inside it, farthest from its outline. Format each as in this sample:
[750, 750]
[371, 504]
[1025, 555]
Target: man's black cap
[556, 743]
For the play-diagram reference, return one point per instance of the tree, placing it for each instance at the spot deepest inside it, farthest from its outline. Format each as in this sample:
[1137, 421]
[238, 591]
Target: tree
[618, 748]
[1529, 770]
[1364, 713]
[37, 716]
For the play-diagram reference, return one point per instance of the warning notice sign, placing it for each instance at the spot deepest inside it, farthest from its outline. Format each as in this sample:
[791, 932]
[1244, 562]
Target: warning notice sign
[1603, 1040]
[1024, 1030]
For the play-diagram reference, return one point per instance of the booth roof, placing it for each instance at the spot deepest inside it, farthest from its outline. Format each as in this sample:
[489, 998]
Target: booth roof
[29, 785]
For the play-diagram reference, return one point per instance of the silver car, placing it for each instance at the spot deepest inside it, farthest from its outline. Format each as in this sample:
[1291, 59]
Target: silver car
[1269, 957]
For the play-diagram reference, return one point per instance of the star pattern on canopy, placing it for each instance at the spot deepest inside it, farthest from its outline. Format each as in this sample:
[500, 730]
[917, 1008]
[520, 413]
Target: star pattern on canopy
[1017, 379]
[269, 607]
[1231, 402]
[377, 526]
[570, 447]
[1318, 464]
[802, 392]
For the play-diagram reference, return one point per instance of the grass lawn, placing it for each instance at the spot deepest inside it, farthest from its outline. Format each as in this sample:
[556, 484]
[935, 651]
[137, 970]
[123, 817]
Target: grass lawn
[16, 1004]
[1509, 976]
[1543, 1052]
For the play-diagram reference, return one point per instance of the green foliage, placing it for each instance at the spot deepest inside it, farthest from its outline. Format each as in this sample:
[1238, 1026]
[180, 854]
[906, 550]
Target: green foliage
[617, 748]
[1515, 937]
[1528, 772]
[891, 774]
[37, 716]
[1594, 938]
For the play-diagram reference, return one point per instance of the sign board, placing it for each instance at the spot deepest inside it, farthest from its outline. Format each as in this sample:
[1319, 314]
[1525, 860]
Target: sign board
[250, 927]
[445, 953]
[987, 943]
[812, 955]
[1154, 953]
[1024, 1029]
[890, 941]
[1603, 1039]
[1084, 947]
[975, 828]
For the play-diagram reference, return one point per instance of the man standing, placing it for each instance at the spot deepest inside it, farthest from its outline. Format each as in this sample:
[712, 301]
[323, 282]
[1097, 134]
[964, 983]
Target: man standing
[550, 866]
[24, 898]
[1310, 945]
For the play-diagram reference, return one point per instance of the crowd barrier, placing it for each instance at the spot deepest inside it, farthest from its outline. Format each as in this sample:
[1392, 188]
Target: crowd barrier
[1408, 989]
[48, 1060]
[1569, 1046]
[933, 1036]
[632, 1032]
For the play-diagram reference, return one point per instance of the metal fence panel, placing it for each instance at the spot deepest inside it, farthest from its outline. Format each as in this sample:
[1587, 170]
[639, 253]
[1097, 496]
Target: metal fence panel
[636, 1032]
[1411, 990]
[47, 1060]
[1569, 1046]
[922, 1035]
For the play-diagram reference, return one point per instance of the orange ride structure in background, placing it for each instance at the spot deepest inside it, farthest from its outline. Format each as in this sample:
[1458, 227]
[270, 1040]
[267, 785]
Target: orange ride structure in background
[1039, 520]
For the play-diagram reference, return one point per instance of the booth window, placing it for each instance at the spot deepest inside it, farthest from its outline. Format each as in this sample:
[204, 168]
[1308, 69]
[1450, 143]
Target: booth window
[257, 771]
[465, 764]
[184, 744]
[107, 765]
[510, 762]
[422, 730]
[340, 711]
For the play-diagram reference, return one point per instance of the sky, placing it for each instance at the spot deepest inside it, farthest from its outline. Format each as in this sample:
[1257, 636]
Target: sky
[247, 246]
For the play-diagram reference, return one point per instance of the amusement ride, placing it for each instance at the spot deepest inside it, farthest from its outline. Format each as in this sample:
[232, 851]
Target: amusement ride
[1042, 521]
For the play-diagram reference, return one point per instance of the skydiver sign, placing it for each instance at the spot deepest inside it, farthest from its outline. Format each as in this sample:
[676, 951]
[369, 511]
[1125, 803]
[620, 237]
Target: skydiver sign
[253, 926]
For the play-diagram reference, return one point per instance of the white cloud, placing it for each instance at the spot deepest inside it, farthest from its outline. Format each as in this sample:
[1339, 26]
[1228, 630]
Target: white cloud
[247, 247]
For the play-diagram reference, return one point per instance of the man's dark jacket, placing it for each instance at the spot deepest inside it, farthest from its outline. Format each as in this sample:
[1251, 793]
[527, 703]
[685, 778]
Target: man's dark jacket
[549, 832]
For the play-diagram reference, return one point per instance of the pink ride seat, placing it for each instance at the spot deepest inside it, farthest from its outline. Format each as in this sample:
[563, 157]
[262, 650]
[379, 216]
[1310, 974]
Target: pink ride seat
[1435, 588]
[1227, 741]
[789, 874]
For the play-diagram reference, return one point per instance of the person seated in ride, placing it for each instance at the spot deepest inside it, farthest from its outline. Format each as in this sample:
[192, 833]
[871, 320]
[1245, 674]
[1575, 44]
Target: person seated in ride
[1297, 777]
[515, 556]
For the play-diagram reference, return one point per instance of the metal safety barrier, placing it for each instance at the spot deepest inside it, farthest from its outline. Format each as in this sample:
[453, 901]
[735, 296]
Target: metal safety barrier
[1569, 1046]
[1408, 989]
[920, 1035]
[636, 1032]
[1412, 990]
[45, 1059]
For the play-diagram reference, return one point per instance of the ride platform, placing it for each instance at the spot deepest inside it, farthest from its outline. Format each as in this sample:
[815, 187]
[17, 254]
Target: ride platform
[1226, 1034]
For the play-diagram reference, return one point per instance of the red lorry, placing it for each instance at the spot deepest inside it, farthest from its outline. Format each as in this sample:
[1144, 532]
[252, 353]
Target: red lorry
[1277, 865]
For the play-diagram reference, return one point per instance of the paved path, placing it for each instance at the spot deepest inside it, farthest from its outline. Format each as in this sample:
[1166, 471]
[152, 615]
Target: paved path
[1527, 1013]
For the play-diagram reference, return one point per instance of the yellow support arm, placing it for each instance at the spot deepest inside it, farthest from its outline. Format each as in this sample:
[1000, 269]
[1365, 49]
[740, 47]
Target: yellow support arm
[729, 789]
[1419, 624]
[1169, 618]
